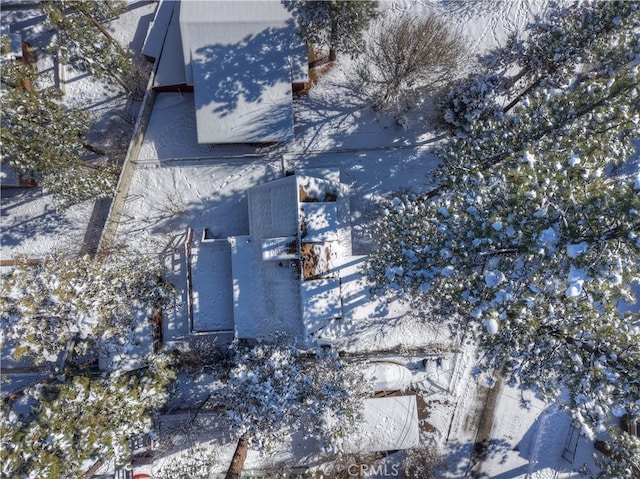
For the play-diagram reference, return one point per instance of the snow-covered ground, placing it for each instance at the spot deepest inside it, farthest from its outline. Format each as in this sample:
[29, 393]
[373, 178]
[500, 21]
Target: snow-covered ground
[178, 184]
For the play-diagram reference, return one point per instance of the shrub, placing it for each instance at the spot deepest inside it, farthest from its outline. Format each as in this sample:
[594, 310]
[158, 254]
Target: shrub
[406, 56]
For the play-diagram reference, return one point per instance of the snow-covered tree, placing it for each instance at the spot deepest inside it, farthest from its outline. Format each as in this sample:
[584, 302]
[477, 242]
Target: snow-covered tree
[197, 462]
[44, 140]
[407, 55]
[533, 237]
[337, 24]
[79, 417]
[575, 41]
[273, 390]
[94, 302]
[83, 42]
[423, 462]
[621, 458]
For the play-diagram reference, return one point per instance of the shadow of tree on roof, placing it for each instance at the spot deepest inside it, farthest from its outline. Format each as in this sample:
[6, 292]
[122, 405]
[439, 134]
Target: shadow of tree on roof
[244, 70]
[276, 126]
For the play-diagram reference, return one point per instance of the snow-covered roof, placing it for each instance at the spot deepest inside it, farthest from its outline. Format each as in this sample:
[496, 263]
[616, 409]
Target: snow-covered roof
[320, 303]
[320, 221]
[157, 31]
[286, 247]
[286, 272]
[273, 211]
[389, 424]
[266, 299]
[170, 69]
[241, 58]
[211, 300]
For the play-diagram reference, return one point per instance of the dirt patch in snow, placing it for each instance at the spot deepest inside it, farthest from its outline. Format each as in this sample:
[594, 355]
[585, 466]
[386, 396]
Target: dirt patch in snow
[309, 261]
[306, 197]
[313, 264]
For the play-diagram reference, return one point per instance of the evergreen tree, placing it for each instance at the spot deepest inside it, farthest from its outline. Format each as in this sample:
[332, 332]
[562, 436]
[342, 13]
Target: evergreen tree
[44, 140]
[272, 390]
[94, 302]
[576, 41]
[79, 417]
[533, 237]
[622, 456]
[83, 42]
[336, 23]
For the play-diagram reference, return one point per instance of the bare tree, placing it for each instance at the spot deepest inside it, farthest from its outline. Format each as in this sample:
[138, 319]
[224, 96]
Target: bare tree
[406, 56]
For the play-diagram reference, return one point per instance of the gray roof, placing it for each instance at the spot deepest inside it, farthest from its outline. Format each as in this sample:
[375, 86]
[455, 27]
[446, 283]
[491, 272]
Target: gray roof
[157, 31]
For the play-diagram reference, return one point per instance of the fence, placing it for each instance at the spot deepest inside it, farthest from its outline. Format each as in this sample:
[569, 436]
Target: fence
[116, 209]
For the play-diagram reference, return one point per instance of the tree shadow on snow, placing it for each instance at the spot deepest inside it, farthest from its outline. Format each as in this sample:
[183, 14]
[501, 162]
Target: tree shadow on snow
[19, 227]
[544, 445]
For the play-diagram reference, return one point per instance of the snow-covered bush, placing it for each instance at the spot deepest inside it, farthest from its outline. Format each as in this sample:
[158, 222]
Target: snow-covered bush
[196, 462]
[274, 390]
[93, 301]
[472, 99]
[79, 417]
[423, 462]
[407, 55]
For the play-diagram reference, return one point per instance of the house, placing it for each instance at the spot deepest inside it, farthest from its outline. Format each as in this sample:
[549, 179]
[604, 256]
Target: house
[210, 296]
[287, 273]
[292, 274]
[240, 60]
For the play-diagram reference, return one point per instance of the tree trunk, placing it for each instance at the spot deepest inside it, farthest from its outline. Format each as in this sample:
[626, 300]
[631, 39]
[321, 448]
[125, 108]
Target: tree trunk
[94, 149]
[509, 82]
[237, 462]
[28, 58]
[113, 41]
[103, 30]
[522, 94]
[333, 36]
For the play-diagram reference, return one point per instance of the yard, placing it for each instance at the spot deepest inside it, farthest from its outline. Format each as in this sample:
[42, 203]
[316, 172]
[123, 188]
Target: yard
[178, 186]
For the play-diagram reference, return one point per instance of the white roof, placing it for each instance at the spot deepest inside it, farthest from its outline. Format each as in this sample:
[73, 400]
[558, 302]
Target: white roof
[212, 300]
[271, 293]
[170, 70]
[320, 303]
[320, 221]
[280, 248]
[266, 299]
[157, 31]
[273, 209]
[388, 424]
[241, 58]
